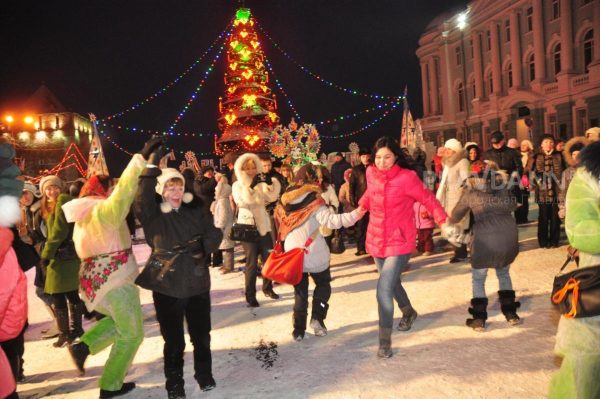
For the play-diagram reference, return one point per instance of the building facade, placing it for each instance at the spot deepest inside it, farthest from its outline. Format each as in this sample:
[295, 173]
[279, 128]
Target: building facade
[42, 130]
[525, 67]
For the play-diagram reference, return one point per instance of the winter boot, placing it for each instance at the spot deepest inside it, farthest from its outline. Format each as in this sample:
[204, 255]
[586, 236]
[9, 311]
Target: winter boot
[62, 320]
[408, 317]
[299, 319]
[319, 313]
[509, 306]
[479, 311]
[227, 261]
[385, 342]
[207, 384]
[127, 387]
[79, 352]
[319, 327]
[76, 313]
[52, 331]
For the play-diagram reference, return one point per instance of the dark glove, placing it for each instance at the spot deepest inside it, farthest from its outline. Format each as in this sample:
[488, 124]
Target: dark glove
[259, 178]
[151, 145]
[269, 179]
[157, 155]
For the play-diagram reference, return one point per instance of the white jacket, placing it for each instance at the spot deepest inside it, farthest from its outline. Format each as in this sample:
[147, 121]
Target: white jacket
[331, 200]
[317, 258]
[456, 171]
[251, 202]
[222, 213]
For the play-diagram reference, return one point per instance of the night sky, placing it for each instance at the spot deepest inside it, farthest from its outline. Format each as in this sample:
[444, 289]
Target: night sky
[104, 56]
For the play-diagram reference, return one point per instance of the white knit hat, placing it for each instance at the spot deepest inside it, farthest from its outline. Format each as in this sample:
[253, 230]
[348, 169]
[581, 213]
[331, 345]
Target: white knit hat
[453, 145]
[28, 186]
[50, 180]
[166, 175]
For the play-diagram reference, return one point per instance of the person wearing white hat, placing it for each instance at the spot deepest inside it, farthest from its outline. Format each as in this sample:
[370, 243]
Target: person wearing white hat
[456, 171]
[593, 134]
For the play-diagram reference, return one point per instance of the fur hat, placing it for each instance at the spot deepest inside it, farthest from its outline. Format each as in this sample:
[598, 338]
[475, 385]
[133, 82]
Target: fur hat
[50, 180]
[593, 133]
[166, 175]
[454, 145]
[10, 188]
[574, 144]
[306, 174]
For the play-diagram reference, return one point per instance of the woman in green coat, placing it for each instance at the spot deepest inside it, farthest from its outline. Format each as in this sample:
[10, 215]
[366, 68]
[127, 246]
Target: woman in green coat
[60, 262]
[578, 339]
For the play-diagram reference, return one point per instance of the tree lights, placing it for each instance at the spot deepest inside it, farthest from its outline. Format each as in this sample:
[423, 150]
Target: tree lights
[248, 111]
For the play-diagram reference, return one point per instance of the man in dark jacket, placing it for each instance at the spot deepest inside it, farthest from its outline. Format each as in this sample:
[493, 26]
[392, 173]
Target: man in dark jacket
[547, 166]
[337, 171]
[358, 186]
[506, 158]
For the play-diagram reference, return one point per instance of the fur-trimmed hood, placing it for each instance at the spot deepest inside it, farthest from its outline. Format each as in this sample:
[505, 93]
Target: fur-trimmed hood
[240, 175]
[567, 152]
[296, 195]
[454, 158]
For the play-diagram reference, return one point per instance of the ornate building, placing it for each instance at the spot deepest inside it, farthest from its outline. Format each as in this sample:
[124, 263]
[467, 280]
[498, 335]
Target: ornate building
[42, 131]
[525, 67]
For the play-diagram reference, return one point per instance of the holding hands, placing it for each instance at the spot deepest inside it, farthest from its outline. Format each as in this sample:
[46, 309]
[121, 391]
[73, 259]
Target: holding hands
[361, 212]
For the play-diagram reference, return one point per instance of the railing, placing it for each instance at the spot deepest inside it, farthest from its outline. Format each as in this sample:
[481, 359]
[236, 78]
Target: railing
[551, 88]
[580, 80]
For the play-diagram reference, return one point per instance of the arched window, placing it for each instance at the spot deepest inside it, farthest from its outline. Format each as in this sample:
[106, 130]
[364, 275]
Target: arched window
[588, 49]
[461, 97]
[556, 59]
[531, 67]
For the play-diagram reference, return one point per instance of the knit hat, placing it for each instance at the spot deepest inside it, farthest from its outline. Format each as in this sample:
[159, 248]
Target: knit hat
[28, 186]
[166, 175]
[306, 174]
[454, 145]
[10, 187]
[50, 180]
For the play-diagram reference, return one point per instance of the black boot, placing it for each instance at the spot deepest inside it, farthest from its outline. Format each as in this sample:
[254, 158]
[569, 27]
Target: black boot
[509, 306]
[299, 319]
[251, 301]
[385, 342]
[76, 314]
[62, 320]
[127, 387]
[319, 313]
[79, 352]
[408, 318]
[207, 384]
[479, 311]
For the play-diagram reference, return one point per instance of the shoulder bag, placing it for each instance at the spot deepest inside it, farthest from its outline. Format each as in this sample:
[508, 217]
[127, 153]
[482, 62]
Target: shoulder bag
[577, 294]
[243, 232]
[287, 267]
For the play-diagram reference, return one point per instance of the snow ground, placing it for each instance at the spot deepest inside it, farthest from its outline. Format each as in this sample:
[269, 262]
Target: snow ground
[438, 358]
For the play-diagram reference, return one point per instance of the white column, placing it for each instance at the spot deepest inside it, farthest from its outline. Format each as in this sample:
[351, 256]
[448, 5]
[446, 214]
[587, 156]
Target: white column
[538, 41]
[434, 86]
[496, 67]
[566, 36]
[425, 89]
[515, 50]
[477, 64]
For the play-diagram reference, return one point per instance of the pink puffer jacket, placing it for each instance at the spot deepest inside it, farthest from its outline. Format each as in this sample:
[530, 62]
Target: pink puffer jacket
[13, 289]
[389, 198]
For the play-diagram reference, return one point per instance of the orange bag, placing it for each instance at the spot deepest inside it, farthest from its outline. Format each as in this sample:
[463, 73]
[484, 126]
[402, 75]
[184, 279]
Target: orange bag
[286, 267]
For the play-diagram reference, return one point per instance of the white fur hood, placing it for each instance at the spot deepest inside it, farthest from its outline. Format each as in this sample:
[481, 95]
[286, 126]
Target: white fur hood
[240, 175]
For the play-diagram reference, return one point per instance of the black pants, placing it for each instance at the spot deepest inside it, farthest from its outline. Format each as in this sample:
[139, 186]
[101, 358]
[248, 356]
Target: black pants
[60, 300]
[14, 350]
[170, 313]
[252, 251]
[548, 224]
[321, 296]
[522, 211]
[461, 252]
[360, 229]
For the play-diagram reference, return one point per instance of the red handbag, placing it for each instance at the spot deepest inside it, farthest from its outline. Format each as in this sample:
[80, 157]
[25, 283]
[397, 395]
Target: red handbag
[286, 267]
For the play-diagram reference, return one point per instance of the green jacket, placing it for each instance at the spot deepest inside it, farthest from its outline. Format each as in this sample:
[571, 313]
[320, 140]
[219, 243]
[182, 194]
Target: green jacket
[62, 275]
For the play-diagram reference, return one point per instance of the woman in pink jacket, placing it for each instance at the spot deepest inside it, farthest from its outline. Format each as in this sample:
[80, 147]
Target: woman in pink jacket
[392, 190]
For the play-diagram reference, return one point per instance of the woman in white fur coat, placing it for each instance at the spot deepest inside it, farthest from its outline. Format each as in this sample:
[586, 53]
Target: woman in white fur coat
[223, 217]
[456, 171]
[252, 191]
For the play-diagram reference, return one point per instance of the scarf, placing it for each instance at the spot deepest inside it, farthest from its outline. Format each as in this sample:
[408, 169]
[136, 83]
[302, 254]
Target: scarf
[291, 215]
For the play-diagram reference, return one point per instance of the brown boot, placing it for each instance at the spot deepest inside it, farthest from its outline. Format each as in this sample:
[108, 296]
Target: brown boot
[385, 342]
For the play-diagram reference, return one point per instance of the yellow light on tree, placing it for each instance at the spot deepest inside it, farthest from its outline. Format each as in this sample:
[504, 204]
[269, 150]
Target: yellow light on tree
[251, 139]
[230, 118]
[249, 100]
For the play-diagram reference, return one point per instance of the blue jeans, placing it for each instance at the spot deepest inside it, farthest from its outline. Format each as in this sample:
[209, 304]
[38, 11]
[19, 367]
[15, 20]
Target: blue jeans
[389, 287]
[479, 276]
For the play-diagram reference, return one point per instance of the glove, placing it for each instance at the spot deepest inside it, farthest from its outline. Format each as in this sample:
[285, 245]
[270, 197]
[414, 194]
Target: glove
[268, 179]
[157, 155]
[259, 178]
[152, 145]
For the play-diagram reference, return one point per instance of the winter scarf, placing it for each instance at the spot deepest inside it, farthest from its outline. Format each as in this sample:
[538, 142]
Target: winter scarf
[290, 215]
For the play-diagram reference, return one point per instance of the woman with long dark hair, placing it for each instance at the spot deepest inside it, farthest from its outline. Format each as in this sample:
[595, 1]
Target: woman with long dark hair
[392, 190]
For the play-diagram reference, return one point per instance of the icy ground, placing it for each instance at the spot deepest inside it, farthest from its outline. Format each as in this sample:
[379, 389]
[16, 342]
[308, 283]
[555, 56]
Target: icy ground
[438, 358]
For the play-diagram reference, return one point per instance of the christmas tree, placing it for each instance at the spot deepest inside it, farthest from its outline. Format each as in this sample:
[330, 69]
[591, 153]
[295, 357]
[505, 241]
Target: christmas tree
[248, 112]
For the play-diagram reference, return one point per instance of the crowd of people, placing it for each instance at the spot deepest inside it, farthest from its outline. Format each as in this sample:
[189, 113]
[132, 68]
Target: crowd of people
[78, 239]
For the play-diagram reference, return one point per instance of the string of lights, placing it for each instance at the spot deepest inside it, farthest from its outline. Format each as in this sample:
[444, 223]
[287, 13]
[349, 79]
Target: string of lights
[321, 79]
[367, 126]
[157, 132]
[356, 114]
[192, 98]
[282, 91]
[124, 150]
[169, 85]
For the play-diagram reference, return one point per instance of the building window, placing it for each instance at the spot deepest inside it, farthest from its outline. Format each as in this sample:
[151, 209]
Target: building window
[556, 59]
[458, 55]
[461, 97]
[489, 40]
[471, 50]
[509, 75]
[507, 29]
[490, 83]
[531, 67]
[555, 9]
[473, 88]
[529, 15]
[581, 122]
[552, 124]
[588, 49]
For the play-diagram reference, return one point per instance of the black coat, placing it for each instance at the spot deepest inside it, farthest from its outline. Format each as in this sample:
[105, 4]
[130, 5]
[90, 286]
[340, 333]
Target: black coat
[358, 184]
[163, 231]
[507, 159]
[337, 173]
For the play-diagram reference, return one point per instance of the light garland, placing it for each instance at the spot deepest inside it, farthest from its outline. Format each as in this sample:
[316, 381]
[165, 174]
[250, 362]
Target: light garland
[169, 85]
[322, 80]
[356, 114]
[157, 132]
[196, 90]
[362, 129]
[122, 149]
[281, 90]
